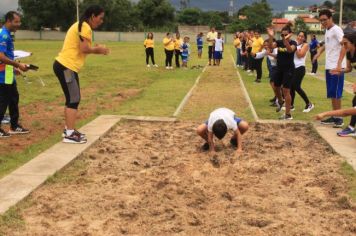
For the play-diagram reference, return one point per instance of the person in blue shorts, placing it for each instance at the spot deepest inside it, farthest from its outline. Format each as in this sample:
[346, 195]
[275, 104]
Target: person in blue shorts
[185, 52]
[200, 43]
[334, 60]
[220, 121]
[219, 49]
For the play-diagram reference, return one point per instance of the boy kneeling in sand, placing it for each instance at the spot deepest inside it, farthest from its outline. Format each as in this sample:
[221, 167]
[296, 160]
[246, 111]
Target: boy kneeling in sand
[220, 121]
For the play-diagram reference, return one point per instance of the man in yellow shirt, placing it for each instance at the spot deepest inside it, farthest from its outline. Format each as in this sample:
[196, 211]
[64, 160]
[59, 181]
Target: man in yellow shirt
[77, 45]
[257, 46]
[210, 38]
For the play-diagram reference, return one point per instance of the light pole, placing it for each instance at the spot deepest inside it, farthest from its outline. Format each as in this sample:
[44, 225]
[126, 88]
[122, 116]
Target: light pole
[341, 10]
[78, 1]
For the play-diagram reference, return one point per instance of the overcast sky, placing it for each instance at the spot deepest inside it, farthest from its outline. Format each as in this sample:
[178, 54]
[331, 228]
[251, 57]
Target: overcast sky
[277, 5]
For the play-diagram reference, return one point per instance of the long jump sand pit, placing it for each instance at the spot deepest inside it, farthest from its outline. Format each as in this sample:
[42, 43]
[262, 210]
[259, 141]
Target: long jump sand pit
[150, 178]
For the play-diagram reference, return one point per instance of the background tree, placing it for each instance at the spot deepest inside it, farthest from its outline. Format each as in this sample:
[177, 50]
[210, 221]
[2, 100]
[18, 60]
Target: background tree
[47, 13]
[349, 13]
[299, 25]
[189, 16]
[155, 13]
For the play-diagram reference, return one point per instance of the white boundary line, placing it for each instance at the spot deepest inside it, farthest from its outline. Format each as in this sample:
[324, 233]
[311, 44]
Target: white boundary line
[247, 96]
[187, 96]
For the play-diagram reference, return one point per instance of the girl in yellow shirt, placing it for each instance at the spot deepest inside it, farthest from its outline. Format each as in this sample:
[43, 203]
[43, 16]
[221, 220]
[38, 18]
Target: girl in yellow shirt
[168, 43]
[177, 49]
[149, 45]
[77, 44]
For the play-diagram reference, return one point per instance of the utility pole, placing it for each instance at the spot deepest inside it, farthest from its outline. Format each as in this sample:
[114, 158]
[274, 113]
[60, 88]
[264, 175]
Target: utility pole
[77, 10]
[341, 10]
[231, 10]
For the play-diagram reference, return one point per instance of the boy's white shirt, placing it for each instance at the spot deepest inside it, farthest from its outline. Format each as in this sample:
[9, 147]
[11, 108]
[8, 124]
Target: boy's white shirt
[263, 53]
[218, 44]
[225, 114]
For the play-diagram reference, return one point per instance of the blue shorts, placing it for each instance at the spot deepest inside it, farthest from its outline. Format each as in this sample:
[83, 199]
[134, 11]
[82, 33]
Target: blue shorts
[334, 85]
[217, 55]
[200, 49]
[184, 58]
[237, 119]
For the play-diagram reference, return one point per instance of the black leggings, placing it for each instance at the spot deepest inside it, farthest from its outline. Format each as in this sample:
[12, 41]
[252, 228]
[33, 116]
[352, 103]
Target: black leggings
[258, 67]
[177, 54]
[150, 53]
[296, 85]
[169, 57]
[353, 118]
[9, 97]
[69, 81]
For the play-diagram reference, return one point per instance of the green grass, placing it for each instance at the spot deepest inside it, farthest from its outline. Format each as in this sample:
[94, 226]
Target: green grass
[315, 89]
[350, 174]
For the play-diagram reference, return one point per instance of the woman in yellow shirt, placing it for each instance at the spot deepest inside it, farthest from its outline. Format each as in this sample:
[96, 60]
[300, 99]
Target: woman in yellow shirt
[257, 46]
[77, 45]
[177, 49]
[168, 43]
[237, 45]
[149, 45]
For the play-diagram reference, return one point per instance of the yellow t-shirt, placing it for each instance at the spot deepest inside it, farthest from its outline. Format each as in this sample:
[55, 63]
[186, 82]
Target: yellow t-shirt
[149, 43]
[170, 45]
[178, 43]
[257, 44]
[71, 56]
[237, 43]
[211, 36]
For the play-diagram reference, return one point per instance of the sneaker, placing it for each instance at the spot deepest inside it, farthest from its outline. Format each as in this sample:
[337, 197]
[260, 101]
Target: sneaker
[4, 134]
[171, 68]
[257, 81]
[6, 120]
[74, 138]
[328, 121]
[273, 100]
[308, 108]
[19, 130]
[233, 142]
[279, 106]
[286, 117]
[155, 65]
[205, 147]
[248, 71]
[339, 122]
[167, 67]
[292, 108]
[148, 66]
[347, 132]
[65, 133]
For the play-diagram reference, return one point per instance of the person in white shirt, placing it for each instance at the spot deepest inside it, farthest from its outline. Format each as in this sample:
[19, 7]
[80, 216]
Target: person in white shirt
[271, 53]
[218, 49]
[220, 121]
[334, 59]
[299, 73]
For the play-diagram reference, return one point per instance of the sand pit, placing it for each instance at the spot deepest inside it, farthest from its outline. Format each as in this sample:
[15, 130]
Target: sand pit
[149, 178]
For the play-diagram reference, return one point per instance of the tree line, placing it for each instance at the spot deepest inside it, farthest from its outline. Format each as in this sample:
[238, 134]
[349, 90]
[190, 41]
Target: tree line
[152, 15]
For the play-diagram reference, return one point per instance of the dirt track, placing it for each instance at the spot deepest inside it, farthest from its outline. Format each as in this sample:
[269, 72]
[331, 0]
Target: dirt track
[152, 179]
